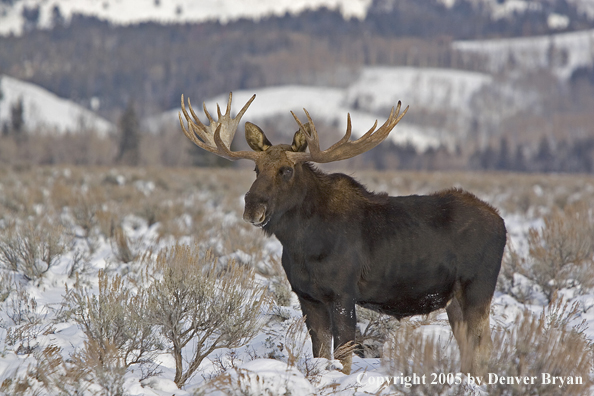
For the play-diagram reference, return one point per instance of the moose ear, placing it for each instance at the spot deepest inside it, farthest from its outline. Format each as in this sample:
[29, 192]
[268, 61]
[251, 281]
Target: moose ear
[299, 142]
[255, 137]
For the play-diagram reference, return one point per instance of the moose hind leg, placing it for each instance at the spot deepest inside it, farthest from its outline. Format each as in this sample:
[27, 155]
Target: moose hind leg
[459, 328]
[319, 325]
[479, 335]
[470, 324]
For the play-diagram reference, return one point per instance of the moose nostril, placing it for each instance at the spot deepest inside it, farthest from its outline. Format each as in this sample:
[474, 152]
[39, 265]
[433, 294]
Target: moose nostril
[255, 216]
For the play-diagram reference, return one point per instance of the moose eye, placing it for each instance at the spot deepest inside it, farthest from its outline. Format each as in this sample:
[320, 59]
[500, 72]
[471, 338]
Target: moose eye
[286, 172]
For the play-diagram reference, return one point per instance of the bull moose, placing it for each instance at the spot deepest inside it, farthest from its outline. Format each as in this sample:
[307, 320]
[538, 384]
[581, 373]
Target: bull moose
[344, 245]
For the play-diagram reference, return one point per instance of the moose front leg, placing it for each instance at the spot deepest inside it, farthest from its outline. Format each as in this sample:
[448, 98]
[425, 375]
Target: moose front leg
[319, 325]
[344, 323]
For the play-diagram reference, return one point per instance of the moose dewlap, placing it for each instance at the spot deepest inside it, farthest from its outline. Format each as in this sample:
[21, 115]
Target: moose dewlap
[344, 245]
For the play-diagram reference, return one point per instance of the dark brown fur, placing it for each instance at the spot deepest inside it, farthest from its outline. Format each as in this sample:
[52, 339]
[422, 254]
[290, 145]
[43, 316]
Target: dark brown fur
[343, 245]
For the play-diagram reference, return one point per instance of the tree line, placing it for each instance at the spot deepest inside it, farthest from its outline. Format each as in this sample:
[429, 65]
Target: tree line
[151, 63]
[143, 68]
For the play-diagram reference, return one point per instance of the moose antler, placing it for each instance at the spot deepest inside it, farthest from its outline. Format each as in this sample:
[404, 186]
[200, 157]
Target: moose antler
[344, 148]
[218, 135]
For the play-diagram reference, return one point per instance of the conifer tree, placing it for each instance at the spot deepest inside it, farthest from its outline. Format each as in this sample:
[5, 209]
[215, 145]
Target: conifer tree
[129, 147]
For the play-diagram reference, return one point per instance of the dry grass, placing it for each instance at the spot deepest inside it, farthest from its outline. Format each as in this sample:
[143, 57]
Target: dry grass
[204, 207]
[532, 345]
[560, 254]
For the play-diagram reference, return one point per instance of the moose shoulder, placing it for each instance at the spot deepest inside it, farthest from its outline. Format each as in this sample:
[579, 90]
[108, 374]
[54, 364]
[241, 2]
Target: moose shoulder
[344, 245]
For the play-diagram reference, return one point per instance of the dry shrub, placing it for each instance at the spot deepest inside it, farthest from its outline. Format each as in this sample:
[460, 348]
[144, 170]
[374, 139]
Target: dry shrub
[100, 366]
[29, 322]
[561, 252]
[121, 247]
[411, 353]
[534, 345]
[116, 317]
[244, 382]
[83, 207]
[296, 338]
[7, 284]
[45, 371]
[376, 332]
[32, 249]
[201, 308]
[513, 263]
[280, 287]
[107, 218]
[92, 370]
[530, 346]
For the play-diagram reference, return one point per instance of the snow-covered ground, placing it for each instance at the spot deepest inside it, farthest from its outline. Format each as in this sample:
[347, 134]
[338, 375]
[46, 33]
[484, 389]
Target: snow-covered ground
[205, 206]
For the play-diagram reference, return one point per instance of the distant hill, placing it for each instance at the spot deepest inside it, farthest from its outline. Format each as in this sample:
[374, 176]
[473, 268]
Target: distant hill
[487, 80]
[45, 112]
[17, 16]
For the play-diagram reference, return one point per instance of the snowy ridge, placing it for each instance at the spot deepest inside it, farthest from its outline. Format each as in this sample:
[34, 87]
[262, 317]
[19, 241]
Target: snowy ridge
[452, 93]
[435, 89]
[561, 53]
[180, 11]
[170, 11]
[45, 111]
[368, 99]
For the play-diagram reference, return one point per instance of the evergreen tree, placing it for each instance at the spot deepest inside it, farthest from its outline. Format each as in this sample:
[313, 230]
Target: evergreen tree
[129, 148]
[1, 97]
[504, 161]
[17, 120]
[57, 17]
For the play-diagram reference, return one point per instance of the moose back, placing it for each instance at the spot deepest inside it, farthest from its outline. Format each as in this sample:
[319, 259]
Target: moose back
[344, 245]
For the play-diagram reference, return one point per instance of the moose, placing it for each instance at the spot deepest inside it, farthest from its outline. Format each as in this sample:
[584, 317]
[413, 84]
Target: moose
[344, 245]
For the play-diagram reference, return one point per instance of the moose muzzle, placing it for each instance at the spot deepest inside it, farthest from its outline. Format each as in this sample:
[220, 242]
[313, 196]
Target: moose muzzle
[255, 211]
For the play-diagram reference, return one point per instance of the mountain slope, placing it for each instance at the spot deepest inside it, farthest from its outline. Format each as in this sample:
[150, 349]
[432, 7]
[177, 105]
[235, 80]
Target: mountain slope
[168, 11]
[17, 16]
[44, 111]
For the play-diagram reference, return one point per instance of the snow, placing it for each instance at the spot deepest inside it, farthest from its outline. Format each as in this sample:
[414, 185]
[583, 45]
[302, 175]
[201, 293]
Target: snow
[45, 111]
[327, 105]
[261, 366]
[125, 12]
[368, 98]
[562, 53]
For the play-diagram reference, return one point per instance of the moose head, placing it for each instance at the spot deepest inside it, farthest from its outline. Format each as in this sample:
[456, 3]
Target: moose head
[279, 184]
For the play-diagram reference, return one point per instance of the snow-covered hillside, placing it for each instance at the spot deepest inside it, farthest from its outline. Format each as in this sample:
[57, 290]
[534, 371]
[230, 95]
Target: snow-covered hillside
[459, 98]
[326, 106]
[169, 11]
[43, 111]
[561, 53]
[179, 11]
[454, 94]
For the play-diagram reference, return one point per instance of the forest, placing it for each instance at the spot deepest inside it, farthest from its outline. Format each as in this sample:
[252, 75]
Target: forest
[110, 68]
